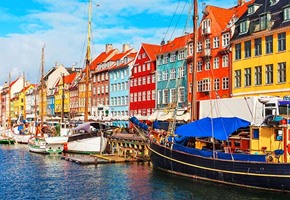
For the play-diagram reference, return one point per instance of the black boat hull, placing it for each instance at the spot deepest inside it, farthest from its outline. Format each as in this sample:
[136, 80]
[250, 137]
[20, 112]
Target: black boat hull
[269, 176]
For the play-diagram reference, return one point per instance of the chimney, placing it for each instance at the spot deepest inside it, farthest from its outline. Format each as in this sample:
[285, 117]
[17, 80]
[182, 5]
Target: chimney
[109, 47]
[241, 2]
[126, 47]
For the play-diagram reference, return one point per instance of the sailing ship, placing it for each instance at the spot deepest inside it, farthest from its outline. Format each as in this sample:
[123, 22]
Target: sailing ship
[87, 141]
[5, 134]
[45, 140]
[224, 150]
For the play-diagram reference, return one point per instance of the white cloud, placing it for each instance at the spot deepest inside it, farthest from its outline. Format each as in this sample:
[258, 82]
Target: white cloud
[63, 26]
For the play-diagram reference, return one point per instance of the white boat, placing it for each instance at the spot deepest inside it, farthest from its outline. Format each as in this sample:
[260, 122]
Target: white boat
[37, 145]
[88, 139]
[21, 138]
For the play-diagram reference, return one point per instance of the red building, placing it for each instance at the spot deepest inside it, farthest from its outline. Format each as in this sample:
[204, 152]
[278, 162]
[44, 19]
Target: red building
[142, 82]
[213, 67]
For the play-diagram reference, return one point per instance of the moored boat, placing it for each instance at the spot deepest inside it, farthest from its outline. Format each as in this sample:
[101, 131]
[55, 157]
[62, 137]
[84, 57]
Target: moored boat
[89, 138]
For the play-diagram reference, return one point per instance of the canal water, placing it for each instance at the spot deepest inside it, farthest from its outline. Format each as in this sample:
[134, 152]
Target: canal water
[25, 175]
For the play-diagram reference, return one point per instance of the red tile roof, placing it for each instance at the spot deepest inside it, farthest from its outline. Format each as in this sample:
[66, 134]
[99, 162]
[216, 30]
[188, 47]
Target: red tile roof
[176, 44]
[69, 78]
[151, 50]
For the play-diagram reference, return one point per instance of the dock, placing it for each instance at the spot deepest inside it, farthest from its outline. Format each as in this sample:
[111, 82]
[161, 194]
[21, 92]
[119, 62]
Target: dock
[99, 159]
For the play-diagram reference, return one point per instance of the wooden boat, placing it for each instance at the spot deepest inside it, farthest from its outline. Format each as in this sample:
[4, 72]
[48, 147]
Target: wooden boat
[6, 140]
[259, 159]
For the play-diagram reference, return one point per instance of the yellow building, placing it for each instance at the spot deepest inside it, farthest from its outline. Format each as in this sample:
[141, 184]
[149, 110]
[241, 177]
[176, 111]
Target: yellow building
[18, 103]
[261, 51]
[63, 89]
[82, 96]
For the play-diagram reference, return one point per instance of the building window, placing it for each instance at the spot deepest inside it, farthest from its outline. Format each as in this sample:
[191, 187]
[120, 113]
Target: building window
[269, 44]
[216, 62]
[173, 73]
[148, 79]
[248, 77]
[144, 67]
[199, 46]
[269, 74]
[282, 41]
[258, 47]
[181, 55]
[148, 95]
[243, 27]
[216, 42]
[216, 84]
[258, 75]
[247, 49]
[287, 14]
[165, 59]
[181, 95]
[238, 51]
[225, 59]
[144, 96]
[159, 98]
[144, 80]
[165, 96]
[206, 85]
[263, 22]
[173, 57]
[207, 65]
[165, 75]
[238, 78]
[199, 86]
[159, 76]
[282, 72]
[226, 40]
[207, 44]
[199, 66]
[153, 94]
[148, 66]
[173, 95]
[180, 72]
[225, 84]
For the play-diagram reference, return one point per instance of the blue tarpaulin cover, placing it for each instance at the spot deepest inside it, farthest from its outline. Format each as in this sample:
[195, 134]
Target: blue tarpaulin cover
[219, 128]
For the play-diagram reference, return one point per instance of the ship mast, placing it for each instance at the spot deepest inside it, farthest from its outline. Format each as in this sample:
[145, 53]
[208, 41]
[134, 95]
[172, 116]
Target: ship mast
[194, 89]
[88, 59]
[24, 97]
[9, 100]
[41, 87]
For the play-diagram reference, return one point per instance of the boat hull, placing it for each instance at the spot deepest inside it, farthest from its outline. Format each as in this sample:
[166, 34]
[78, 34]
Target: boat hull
[37, 145]
[55, 145]
[87, 145]
[21, 139]
[268, 176]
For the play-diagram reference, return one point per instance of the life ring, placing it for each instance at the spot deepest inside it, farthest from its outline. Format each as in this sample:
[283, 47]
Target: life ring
[164, 133]
[270, 158]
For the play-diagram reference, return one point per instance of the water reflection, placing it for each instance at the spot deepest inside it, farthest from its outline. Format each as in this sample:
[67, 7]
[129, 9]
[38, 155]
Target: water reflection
[26, 175]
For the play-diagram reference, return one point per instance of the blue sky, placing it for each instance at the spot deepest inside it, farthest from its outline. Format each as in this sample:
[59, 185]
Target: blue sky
[62, 25]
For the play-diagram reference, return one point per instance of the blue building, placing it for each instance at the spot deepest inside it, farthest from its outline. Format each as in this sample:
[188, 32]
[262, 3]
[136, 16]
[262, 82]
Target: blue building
[119, 75]
[171, 72]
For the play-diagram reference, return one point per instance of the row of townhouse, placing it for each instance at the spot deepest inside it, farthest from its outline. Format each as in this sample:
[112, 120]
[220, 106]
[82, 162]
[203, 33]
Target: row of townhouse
[241, 52]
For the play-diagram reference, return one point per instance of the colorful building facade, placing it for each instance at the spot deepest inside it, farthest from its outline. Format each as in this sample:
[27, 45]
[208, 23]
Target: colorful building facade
[260, 50]
[142, 81]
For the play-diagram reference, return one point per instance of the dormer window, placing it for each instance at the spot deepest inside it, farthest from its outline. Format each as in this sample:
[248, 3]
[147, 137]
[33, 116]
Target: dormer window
[287, 14]
[273, 2]
[206, 26]
[253, 8]
[244, 26]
